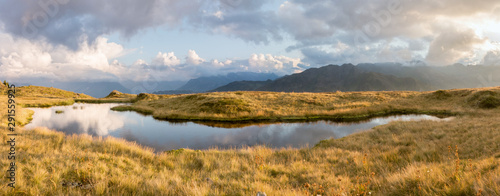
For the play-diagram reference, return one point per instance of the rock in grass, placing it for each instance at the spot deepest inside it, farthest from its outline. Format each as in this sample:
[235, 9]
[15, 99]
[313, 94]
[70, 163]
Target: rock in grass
[261, 194]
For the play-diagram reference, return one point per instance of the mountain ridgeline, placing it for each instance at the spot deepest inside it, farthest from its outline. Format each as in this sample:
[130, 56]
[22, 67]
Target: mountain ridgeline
[348, 77]
[441, 77]
[327, 79]
[204, 84]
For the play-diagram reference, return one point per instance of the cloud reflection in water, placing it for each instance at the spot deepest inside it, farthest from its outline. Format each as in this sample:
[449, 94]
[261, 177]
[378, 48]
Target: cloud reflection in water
[99, 120]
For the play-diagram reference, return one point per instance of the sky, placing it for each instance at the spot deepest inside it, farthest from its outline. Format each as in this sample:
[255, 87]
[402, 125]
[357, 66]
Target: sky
[167, 40]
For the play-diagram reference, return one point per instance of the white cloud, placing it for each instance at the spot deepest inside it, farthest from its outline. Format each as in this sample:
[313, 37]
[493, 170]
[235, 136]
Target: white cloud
[216, 63]
[96, 56]
[140, 62]
[193, 58]
[166, 59]
[22, 58]
[453, 45]
[276, 64]
[219, 15]
[492, 58]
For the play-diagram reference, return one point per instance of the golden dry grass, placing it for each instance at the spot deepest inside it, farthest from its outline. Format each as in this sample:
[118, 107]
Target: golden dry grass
[456, 157]
[37, 96]
[272, 106]
[118, 97]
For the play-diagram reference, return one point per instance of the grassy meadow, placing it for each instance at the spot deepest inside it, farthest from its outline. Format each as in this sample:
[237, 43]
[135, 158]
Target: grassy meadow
[275, 106]
[37, 96]
[118, 97]
[456, 157]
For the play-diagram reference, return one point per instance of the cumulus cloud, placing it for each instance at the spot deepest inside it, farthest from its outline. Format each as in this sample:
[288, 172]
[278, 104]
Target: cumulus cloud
[492, 58]
[276, 64]
[21, 58]
[316, 19]
[193, 58]
[373, 25]
[453, 45]
[64, 21]
[165, 59]
[217, 63]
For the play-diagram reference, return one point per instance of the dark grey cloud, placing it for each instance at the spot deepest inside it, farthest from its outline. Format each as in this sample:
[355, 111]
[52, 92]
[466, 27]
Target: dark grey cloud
[66, 21]
[308, 22]
[317, 56]
[254, 26]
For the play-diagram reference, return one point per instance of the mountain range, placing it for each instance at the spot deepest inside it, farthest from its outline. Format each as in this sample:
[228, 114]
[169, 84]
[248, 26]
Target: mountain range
[376, 77]
[204, 84]
[327, 79]
[348, 77]
[441, 77]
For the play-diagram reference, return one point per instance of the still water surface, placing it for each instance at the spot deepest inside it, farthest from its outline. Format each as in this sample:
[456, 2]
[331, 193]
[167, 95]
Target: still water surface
[99, 120]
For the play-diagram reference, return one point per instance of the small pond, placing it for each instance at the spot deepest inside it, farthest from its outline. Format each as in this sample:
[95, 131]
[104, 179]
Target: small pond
[99, 120]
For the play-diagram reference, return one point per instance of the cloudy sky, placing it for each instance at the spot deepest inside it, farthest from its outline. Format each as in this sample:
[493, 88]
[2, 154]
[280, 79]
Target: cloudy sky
[182, 39]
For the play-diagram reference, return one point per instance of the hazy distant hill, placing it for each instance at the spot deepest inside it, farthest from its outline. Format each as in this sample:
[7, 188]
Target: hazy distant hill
[137, 87]
[203, 84]
[172, 92]
[344, 78]
[94, 89]
[441, 77]
[242, 86]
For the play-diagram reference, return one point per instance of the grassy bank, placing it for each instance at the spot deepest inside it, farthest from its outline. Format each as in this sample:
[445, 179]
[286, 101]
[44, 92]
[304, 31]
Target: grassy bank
[118, 97]
[271, 106]
[456, 157]
[37, 96]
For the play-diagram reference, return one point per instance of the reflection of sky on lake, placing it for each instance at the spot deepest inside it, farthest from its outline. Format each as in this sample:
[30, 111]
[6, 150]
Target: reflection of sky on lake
[90, 119]
[99, 120]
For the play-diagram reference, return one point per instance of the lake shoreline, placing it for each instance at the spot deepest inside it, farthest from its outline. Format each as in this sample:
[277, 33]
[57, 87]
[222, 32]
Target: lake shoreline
[98, 120]
[290, 119]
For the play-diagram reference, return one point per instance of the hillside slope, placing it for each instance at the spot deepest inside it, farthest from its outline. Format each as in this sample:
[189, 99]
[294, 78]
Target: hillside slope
[339, 78]
[203, 84]
[329, 78]
[48, 92]
[242, 86]
[441, 77]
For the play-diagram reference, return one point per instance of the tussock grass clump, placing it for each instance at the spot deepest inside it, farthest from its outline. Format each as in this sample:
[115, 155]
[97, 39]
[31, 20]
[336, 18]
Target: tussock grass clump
[485, 99]
[225, 106]
[489, 102]
[440, 95]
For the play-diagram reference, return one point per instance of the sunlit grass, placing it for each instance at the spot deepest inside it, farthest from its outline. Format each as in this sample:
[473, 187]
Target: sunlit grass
[262, 106]
[456, 157]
